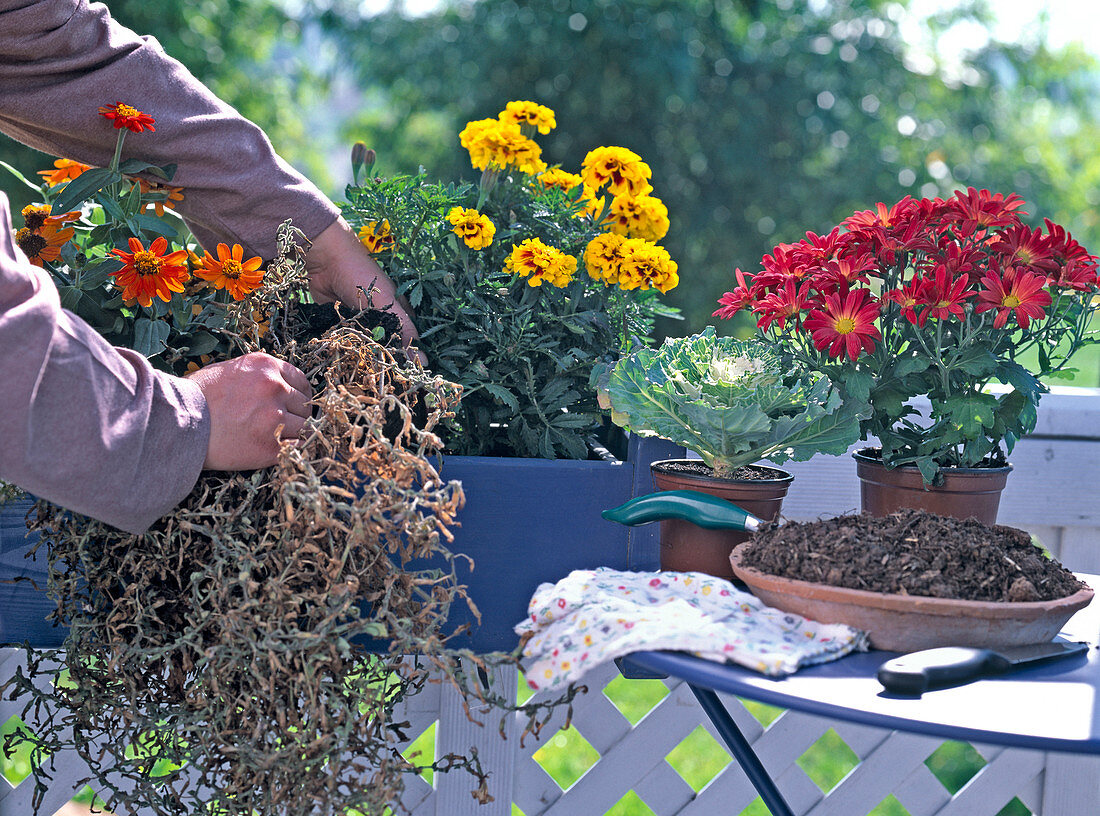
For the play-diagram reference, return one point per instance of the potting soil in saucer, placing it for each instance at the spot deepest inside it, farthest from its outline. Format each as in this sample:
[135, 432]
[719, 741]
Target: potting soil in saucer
[912, 552]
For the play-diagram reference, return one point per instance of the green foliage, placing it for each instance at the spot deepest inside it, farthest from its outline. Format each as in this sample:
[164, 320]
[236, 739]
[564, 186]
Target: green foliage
[731, 401]
[522, 353]
[105, 208]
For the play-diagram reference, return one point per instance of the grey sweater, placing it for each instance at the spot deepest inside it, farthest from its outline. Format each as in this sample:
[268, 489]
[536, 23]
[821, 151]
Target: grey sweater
[90, 427]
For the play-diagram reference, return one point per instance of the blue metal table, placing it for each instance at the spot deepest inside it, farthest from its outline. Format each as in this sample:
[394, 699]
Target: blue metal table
[1051, 707]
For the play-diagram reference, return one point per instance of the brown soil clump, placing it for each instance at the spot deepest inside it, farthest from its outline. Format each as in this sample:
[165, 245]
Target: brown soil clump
[912, 553]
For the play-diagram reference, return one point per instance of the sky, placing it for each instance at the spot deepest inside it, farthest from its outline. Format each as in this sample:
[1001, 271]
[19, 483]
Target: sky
[1018, 20]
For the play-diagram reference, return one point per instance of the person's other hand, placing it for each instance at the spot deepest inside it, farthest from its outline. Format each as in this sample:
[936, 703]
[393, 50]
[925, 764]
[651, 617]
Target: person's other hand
[340, 268]
[249, 398]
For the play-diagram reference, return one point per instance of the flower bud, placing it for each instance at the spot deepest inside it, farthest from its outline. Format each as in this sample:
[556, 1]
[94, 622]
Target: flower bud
[361, 156]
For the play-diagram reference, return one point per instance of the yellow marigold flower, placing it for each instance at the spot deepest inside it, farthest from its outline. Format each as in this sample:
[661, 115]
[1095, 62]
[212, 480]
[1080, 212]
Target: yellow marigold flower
[534, 260]
[472, 227]
[622, 170]
[639, 217]
[604, 255]
[492, 142]
[564, 180]
[376, 236]
[63, 170]
[44, 244]
[149, 272]
[171, 195]
[647, 266]
[531, 114]
[36, 215]
[229, 271]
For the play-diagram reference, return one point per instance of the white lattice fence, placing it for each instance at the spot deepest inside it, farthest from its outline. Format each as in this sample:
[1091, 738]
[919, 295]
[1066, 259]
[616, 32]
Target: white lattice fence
[887, 763]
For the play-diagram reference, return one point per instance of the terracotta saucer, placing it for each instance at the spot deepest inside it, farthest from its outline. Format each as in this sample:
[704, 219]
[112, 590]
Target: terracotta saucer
[908, 623]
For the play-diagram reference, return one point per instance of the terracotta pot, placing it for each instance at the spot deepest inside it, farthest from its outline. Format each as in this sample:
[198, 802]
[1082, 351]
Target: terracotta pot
[906, 623]
[965, 492]
[686, 547]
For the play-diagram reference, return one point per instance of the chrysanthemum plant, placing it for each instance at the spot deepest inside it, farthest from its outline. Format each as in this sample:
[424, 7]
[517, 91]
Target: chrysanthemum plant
[125, 263]
[524, 282]
[931, 298]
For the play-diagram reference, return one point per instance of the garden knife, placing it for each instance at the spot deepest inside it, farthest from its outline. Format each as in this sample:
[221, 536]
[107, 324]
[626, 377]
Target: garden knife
[917, 672]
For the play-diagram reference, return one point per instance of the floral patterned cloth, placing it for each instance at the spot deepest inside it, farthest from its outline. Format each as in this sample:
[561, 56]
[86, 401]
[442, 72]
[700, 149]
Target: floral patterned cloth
[592, 616]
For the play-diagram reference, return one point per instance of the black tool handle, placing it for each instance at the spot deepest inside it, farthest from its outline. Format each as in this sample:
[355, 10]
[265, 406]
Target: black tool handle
[915, 673]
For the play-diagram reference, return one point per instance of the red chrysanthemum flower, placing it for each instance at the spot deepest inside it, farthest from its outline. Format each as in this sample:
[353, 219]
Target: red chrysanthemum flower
[1017, 291]
[1075, 274]
[1023, 246]
[149, 272]
[782, 305]
[946, 296]
[127, 117]
[841, 273]
[909, 297]
[882, 217]
[735, 301]
[846, 324]
[816, 249]
[978, 209]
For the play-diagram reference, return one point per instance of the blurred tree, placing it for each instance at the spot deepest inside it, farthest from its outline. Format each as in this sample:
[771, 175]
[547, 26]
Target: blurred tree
[761, 119]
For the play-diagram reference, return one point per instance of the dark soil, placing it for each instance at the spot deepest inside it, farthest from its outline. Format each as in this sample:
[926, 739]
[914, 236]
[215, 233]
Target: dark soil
[912, 553]
[695, 467]
[320, 317]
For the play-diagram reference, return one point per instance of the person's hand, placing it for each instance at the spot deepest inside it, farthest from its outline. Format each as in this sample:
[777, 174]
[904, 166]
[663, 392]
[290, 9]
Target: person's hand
[340, 268]
[249, 399]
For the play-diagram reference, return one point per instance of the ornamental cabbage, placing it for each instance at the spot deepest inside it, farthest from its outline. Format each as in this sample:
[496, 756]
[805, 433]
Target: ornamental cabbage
[732, 401]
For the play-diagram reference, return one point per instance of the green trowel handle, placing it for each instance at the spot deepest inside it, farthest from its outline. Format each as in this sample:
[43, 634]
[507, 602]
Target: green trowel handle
[690, 505]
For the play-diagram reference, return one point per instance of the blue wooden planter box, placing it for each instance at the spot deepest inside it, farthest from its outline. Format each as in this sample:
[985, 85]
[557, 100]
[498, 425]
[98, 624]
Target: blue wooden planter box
[526, 521]
[529, 521]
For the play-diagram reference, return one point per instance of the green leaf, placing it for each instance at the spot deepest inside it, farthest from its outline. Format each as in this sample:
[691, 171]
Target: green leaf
[150, 336]
[502, 394]
[37, 189]
[1021, 379]
[131, 167]
[83, 187]
[857, 385]
[911, 364]
[971, 413]
[201, 342]
[928, 468]
[978, 361]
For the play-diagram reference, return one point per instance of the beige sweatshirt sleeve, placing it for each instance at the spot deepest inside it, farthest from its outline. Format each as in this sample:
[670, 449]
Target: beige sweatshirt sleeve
[60, 60]
[90, 427]
[87, 426]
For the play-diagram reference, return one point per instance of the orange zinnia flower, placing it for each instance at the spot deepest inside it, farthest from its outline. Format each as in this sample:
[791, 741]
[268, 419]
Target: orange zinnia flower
[45, 243]
[149, 272]
[36, 215]
[171, 195]
[229, 272]
[125, 116]
[64, 170]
